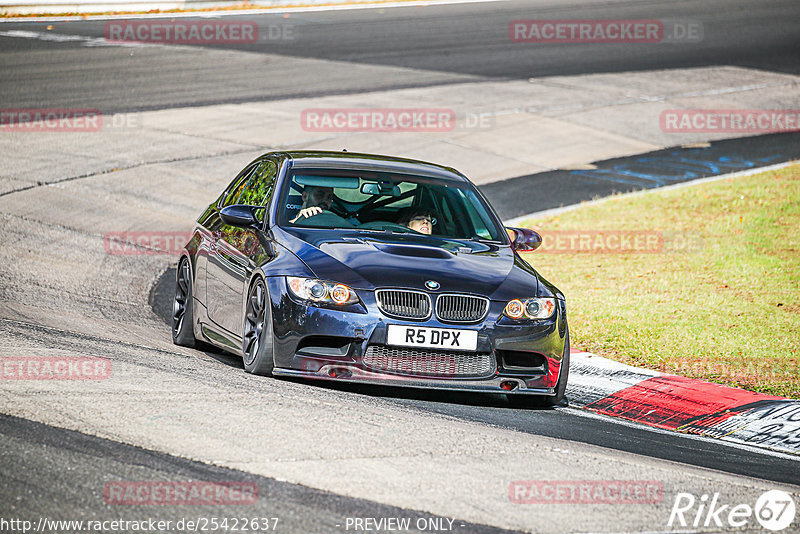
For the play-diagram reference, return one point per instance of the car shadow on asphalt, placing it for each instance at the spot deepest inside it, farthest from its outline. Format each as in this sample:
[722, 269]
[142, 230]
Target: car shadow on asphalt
[223, 357]
[464, 398]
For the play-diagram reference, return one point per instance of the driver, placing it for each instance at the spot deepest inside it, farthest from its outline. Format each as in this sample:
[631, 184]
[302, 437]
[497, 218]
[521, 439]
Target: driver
[419, 220]
[315, 199]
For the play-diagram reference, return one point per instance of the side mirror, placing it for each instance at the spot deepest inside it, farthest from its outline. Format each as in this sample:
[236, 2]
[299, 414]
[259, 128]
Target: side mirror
[240, 215]
[524, 239]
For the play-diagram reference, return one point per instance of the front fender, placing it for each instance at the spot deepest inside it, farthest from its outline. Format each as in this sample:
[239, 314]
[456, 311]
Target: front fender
[282, 262]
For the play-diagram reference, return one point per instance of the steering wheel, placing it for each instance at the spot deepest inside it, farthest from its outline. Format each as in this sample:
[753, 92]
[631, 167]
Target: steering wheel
[326, 218]
[338, 209]
[385, 225]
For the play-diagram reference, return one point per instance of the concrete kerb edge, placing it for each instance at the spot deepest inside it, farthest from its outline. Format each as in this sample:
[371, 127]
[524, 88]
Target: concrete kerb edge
[220, 9]
[680, 404]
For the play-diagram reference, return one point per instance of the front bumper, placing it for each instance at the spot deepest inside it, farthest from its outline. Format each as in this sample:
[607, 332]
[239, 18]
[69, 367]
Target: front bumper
[330, 344]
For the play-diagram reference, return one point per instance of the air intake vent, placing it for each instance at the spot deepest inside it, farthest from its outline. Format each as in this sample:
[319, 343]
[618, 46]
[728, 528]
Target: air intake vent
[404, 304]
[425, 362]
[461, 308]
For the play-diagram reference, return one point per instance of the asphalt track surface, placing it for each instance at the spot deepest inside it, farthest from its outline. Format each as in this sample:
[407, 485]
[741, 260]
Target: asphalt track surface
[43, 457]
[512, 198]
[446, 44]
[443, 44]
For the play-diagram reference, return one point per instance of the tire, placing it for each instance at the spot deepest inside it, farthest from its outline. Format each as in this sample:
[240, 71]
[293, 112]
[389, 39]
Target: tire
[183, 307]
[547, 401]
[257, 332]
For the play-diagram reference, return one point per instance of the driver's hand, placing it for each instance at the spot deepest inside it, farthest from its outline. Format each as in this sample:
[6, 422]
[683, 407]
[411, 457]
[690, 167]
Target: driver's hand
[307, 212]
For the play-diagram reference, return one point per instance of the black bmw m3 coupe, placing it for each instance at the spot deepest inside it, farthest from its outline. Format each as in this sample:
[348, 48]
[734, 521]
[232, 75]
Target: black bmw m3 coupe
[371, 269]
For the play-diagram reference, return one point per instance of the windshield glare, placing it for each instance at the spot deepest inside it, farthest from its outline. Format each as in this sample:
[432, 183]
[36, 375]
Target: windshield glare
[386, 202]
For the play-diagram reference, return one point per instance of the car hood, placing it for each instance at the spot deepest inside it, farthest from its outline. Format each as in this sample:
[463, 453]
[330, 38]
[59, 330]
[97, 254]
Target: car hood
[372, 260]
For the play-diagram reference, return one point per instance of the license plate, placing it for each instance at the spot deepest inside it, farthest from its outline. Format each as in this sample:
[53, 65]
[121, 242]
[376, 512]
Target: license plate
[432, 338]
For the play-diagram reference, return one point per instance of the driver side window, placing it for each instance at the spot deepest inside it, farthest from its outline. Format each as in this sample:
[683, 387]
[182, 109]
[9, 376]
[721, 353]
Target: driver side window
[259, 185]
[235, 189]
[255, 188]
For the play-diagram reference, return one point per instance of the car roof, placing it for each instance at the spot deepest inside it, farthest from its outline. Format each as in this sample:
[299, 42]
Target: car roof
[374, 162]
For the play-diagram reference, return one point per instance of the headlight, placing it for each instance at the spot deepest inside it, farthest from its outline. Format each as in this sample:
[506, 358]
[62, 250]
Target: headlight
[321, 291]
[536, 308]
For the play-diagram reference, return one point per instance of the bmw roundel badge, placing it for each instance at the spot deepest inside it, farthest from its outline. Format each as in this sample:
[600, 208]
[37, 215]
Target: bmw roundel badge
[433, 285]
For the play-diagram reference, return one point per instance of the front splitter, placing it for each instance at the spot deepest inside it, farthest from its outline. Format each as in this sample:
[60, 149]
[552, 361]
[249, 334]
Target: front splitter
[345, 373]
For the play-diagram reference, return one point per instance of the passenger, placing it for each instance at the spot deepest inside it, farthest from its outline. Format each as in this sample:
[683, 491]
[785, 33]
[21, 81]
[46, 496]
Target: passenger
[316, 198]
[419, 220]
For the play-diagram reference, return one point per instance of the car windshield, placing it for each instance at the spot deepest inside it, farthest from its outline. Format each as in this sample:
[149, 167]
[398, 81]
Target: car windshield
[386, 202]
